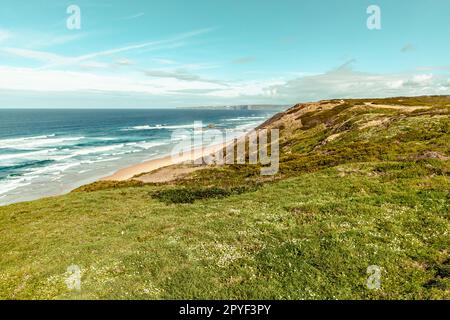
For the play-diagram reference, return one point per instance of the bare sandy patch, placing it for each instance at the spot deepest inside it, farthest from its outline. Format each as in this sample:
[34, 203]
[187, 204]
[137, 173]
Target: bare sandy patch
[152, 165]
[168, 174]
[396, 107]
[374, 123]
[333, 137]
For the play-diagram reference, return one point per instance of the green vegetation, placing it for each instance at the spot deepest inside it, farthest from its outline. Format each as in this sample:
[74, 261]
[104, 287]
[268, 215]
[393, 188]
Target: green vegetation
[107, 185]
[190, 195]
[358, 186]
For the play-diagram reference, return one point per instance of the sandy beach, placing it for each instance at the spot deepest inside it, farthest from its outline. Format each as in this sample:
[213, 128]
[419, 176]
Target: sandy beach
[165, 161]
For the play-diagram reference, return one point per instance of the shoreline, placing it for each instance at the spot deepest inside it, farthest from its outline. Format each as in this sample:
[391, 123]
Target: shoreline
[127, 171]
[165, 161]
[148, 166]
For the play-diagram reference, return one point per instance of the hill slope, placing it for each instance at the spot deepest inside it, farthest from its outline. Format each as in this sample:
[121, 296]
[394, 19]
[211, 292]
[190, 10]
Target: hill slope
[361, 183]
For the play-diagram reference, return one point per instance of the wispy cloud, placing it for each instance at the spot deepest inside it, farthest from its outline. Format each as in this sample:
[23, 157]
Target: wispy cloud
[111, 71]
[39, 40]
[41, 56]
[4, 35]
[124, 62]
[341, 82]
[49, 40]
[56, 75]
[164, 61]
[179, 74]
[134, 16]
[26, 79]
[434, 68]
[146, 45]
[53, 61]
[94, 65]
[345, 82]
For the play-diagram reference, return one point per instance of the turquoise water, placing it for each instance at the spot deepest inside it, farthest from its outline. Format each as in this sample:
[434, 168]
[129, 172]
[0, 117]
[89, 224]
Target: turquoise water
[50, 152]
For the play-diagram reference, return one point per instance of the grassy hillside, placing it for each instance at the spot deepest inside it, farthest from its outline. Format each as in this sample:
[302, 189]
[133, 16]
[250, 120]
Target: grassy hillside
[361, 182]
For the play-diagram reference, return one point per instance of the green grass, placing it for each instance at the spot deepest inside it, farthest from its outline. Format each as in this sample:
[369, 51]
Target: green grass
[373, 196]
[190, 195]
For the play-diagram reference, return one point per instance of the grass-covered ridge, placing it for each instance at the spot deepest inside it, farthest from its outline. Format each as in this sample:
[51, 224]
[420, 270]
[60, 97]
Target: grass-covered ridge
[361, 182]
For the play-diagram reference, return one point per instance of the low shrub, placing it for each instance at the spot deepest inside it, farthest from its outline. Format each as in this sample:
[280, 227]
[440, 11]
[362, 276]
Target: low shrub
[190, 195]
[108, 185]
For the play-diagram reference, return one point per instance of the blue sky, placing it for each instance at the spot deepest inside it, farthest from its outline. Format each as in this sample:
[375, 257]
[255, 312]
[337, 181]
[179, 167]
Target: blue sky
[203, 52]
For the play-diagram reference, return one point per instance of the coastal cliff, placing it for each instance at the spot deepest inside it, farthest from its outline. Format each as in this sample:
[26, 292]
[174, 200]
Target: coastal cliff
[361, 182]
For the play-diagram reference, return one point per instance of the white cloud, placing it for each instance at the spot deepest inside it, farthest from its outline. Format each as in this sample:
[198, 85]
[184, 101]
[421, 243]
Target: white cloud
[434, 68]
[422, 78]
[4, 35]
[394, 84]
[124, 62]
[181, 72]
[348, 83]
[183, 80]
[164, 61]
[94, 65]
[151, 44]
[48, 40]
[170, 64]
[37, 40]
[26, 79]
[419, 80]
[134, 16]
[41, 56]
[175, 74]
[261, 89]
[163, 85]
[57, 61]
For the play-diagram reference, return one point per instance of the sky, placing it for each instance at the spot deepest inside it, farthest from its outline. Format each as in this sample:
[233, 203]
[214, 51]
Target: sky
[147, 53]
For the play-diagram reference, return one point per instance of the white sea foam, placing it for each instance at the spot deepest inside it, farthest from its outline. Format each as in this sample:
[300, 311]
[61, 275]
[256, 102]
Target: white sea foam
[147, 145]
[244, 119]
[97, 161]
[51, 169]
[93, 150]
[36, 142]
[67, 153]
[69, 159]
[14, 183]
[36, 155]
[247, 126]
[159, 127]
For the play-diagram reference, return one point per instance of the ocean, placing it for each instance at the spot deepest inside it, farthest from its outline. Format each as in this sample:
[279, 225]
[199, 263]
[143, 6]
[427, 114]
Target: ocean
[51, 152]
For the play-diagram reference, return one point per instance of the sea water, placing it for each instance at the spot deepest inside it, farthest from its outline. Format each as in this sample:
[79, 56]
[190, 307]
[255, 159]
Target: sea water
[50, 152]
